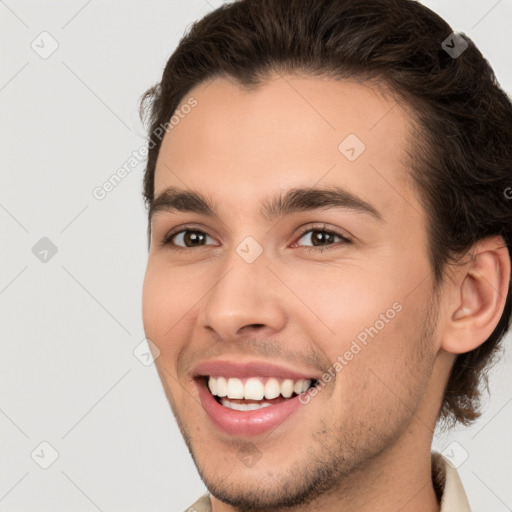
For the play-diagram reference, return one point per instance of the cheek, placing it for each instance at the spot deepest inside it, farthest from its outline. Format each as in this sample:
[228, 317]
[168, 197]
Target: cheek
[339, 302]
[385, 369]
[164, 312]
[369, 324]
[164, 303]
[151, 302]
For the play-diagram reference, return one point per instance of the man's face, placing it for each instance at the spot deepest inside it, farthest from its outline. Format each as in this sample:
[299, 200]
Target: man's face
[251, 288]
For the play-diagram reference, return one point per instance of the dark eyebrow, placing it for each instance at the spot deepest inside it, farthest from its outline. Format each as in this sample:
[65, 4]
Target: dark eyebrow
[294, 200]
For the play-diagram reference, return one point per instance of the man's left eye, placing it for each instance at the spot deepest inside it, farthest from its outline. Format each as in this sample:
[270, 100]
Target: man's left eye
[320, 238]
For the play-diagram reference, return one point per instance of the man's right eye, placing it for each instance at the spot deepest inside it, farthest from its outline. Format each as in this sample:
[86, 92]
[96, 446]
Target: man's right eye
[184, 239]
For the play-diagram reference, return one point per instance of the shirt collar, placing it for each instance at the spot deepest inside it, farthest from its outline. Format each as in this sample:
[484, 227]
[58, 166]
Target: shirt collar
[447, 481]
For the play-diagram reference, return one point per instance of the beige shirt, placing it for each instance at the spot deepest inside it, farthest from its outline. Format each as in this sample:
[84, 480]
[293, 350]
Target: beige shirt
[446, 482]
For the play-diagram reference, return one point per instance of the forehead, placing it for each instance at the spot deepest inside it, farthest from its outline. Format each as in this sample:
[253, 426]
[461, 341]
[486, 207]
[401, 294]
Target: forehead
[239, 145]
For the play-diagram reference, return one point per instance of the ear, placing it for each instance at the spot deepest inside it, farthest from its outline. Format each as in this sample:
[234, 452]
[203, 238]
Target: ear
[479, 296]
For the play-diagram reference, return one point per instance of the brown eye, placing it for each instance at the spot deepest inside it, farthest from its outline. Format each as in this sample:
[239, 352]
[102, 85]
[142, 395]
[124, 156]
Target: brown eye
[186, 239]
[323, 238]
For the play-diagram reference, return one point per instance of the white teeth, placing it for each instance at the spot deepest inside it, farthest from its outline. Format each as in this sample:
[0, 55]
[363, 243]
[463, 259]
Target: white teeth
[301, 386]
[222, 387]
[254, 389]
[272, 388]
[243, 407]
[298, 387]
[212, 384]
[287, 388]
[235, 388]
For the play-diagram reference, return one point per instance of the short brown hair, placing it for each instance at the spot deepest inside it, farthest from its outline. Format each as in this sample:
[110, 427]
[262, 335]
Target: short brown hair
[462, 162]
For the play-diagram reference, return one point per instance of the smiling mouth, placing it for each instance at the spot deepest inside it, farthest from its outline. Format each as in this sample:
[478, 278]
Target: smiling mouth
[249, 394]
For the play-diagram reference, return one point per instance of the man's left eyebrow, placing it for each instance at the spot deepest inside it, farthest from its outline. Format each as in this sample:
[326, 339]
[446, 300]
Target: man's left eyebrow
[307, 199]
[296, 200]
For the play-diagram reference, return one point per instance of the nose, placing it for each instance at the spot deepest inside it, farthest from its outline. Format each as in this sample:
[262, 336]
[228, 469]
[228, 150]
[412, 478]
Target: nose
[244, 298]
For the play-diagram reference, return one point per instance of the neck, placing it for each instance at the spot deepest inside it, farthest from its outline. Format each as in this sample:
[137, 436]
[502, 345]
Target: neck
[399, 478]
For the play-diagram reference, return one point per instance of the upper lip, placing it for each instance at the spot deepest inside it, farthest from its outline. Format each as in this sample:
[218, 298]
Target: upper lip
[224, 367]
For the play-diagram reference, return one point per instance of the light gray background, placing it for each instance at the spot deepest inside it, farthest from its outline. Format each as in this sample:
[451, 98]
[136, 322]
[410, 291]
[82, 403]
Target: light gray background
[69, 326]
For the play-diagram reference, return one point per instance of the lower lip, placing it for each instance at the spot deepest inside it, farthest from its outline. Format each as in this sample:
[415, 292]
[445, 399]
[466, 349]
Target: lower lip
[243, 423]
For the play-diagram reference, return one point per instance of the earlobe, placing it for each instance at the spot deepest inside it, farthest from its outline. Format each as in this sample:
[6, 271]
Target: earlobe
[481, 297]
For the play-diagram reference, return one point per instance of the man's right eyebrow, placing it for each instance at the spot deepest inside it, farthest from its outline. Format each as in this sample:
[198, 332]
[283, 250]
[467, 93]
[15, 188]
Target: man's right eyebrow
[299, 199]
[179, 200]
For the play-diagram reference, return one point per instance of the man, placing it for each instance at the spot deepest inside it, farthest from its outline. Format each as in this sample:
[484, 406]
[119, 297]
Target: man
[329, 265]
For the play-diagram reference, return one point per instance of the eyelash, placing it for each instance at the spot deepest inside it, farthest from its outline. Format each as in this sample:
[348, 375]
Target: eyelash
[323, 229]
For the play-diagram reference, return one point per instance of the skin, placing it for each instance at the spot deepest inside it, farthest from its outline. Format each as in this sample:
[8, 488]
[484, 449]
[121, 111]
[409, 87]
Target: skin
[350, 447]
